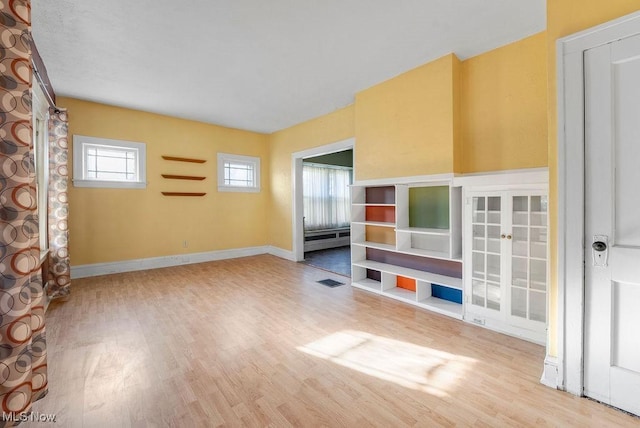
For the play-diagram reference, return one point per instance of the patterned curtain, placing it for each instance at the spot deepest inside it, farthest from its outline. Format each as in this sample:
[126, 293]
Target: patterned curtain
[23, 356]
[59, 270]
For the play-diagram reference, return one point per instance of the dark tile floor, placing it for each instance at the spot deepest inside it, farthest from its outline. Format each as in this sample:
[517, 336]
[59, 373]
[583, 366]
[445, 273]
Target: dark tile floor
[336, 260]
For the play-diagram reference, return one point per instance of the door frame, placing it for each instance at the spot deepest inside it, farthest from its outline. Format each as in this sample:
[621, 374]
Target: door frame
[298, 206]
[571, 154]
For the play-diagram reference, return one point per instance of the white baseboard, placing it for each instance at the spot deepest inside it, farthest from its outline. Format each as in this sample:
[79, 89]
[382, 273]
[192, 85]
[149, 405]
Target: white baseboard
[550, 373]
[283, 254]
[325, 244]
[84, 271]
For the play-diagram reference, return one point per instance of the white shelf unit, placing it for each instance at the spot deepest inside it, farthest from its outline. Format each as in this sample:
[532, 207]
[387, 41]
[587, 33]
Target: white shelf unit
[422, 296]
[413, 237]
[382, 227]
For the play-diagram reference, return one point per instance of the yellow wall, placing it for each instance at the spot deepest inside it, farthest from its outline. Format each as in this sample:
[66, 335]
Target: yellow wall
[405, 125]
[330, 128]
[504, 102]
[117, 224]
[565, 17]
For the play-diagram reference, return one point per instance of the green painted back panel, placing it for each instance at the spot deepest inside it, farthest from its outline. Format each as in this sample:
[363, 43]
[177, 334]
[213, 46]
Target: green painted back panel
[429, 207]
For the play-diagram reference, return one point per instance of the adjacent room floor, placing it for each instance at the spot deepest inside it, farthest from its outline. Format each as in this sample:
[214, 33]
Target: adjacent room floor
[257, 341]
[337, 260]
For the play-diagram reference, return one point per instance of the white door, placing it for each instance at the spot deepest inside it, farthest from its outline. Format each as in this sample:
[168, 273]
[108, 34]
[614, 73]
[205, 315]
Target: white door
[612, 219]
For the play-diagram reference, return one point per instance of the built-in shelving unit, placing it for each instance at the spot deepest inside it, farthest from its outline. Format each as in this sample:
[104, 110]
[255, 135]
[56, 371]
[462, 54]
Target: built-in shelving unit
[406, 243]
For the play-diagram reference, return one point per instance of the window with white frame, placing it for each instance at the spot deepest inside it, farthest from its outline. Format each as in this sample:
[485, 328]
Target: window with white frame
[100, 162]
[237, 173]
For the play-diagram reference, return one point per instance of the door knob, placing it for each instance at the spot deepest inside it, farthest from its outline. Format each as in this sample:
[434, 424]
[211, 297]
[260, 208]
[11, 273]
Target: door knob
[508, 236]
[599, 246]
[600, 250]
[503, 236]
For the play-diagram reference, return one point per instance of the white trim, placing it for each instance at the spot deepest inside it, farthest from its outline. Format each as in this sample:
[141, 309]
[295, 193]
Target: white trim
[296, 189]
[447, 177]
[570, 272]
[515, 177]
[85, 271]
[100, 184]
[282, 253]
[550, 374]
[502, 178]
[238, 189]
[79, 179]
[254, 161]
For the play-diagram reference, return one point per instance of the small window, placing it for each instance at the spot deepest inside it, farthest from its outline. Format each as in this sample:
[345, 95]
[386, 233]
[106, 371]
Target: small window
[238, 173]
[99, 162]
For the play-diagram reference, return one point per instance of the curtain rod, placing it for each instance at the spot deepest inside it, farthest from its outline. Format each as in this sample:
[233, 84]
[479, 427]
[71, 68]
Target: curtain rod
[52, 104]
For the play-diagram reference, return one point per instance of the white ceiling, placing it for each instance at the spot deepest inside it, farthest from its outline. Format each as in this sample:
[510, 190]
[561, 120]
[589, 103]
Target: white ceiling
[255, 64]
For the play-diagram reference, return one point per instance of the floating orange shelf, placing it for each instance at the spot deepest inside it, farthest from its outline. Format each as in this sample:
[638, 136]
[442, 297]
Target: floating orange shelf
[175, 158]
[183, 193]
[183, 177]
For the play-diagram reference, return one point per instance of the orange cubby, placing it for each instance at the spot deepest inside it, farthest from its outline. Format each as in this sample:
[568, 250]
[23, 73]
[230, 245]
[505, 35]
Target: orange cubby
[380, 235]
[381, 213]
[406, 283]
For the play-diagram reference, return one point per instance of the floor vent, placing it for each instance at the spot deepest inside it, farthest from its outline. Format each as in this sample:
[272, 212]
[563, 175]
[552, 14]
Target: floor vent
[330, 282]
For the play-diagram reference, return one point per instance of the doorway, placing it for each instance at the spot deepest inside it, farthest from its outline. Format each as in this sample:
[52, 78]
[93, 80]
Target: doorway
[298, 186]
[599, 242]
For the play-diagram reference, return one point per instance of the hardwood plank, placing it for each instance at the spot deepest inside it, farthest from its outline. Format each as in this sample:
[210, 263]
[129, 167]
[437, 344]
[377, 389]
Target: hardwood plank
[256, 341]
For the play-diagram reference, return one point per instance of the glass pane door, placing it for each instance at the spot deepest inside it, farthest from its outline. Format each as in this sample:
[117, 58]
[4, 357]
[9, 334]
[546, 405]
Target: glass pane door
[486, 259]
[529, 258]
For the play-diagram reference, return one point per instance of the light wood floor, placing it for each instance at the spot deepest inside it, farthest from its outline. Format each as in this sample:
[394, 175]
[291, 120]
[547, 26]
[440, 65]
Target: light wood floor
[256, 342]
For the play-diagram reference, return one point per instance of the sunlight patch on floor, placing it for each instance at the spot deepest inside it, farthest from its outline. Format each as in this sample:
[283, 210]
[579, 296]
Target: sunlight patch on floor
[411, 366]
